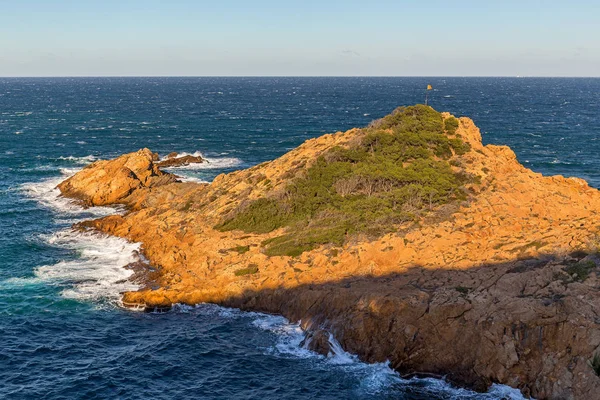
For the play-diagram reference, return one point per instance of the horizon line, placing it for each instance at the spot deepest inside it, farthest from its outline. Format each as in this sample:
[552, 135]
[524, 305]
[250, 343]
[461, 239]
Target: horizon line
[298, 76]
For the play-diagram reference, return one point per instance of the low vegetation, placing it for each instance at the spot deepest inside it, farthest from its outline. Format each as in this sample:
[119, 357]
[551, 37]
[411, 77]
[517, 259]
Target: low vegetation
[249, 270]
[581, 270]
[396, 171]
[462, 290]
[451, 125]
[595, 363]
[241, 249]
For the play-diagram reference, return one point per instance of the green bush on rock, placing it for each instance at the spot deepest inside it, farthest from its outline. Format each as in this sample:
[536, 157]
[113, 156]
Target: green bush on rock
[395, 173]
[451, 125]
[249, 270]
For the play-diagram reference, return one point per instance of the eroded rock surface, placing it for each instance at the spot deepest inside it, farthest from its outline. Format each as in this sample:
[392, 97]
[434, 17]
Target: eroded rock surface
[500, 288]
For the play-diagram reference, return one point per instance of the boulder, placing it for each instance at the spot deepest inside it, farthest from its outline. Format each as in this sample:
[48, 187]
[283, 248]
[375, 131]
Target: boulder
[112, 181]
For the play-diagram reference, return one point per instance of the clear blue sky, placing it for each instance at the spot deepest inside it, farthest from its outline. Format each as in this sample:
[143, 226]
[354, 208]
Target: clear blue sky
[264, 37]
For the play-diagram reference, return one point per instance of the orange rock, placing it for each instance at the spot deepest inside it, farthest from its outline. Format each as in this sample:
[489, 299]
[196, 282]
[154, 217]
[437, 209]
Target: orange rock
[486, 294]
[111, 182]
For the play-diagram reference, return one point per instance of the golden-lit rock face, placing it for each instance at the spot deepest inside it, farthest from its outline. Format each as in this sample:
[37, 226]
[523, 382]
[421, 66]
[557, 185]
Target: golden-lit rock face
[500, 288]
[111, 182]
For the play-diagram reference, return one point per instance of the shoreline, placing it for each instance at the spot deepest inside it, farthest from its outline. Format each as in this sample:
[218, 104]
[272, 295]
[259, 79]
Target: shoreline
[483, 297]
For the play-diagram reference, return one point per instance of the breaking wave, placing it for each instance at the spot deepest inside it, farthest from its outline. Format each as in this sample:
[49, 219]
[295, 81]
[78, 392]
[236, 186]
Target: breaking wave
[212, 162]
[97, 271]
[374, 379]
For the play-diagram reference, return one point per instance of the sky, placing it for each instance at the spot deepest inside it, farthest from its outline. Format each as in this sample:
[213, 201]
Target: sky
[299, 38]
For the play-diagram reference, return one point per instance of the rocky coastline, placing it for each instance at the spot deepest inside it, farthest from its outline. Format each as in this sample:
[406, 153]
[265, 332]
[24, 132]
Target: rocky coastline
[497, 286]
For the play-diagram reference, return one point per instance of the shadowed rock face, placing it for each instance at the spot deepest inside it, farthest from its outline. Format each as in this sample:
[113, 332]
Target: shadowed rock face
[499, 288]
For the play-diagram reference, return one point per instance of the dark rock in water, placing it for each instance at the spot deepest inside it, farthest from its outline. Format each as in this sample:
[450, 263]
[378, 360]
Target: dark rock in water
[174, 161]
[173, 154]
[317, 341]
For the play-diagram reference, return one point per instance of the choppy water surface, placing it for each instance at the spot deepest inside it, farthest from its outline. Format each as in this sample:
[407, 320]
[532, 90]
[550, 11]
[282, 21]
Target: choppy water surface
[63, 334]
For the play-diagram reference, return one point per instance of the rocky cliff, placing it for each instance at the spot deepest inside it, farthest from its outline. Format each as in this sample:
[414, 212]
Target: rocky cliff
[472, 267]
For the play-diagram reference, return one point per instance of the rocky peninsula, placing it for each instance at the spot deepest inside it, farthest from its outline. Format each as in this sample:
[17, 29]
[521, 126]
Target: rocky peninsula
[408, 240]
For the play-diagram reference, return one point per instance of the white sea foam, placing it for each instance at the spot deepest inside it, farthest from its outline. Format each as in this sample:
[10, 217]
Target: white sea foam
[97, 272]
[374, 378]
[212, 163]
[79, 160]
[47, 195]
[187, 178]
[19, 283]
[289, 336]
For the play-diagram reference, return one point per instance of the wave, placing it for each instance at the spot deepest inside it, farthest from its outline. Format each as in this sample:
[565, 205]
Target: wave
[19, 283]
[557, 161]
[187, 178]
[48, 196]
[98, 272]
[376, 378]
[84, 160]
[212, 163]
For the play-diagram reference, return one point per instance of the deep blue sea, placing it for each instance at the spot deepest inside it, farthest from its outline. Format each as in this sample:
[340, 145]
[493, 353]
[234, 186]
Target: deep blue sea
[62, 333]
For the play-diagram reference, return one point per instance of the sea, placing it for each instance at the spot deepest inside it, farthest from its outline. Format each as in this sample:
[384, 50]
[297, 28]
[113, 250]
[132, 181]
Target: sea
[63, 334]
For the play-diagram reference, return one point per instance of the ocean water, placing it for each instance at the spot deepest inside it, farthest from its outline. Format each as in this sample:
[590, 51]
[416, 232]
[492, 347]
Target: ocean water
[63, 334]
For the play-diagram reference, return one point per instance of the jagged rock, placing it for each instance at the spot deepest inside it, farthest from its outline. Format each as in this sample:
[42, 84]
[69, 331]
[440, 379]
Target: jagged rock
[173, 161]
[317, 341]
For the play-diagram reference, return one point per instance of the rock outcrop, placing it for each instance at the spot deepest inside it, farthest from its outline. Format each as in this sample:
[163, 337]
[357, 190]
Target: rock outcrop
[500, 288]
[175, 160]
[111, 182]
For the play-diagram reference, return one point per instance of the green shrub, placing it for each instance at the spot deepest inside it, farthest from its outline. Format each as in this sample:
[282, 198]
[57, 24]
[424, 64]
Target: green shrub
[459, 146]
[188, 204]
[249, 270]
[595, 363]
[241, 249]
[462, 290]
[261, 216]
[581, 270]
[451, 125]
[398, 171]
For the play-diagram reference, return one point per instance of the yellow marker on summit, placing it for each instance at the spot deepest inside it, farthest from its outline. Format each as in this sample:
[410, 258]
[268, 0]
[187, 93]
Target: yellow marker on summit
[429, 87]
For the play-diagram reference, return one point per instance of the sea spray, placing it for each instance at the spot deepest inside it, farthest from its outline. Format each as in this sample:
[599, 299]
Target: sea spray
[97, 271]
[211, 163]
[373, 378]
[202, 172]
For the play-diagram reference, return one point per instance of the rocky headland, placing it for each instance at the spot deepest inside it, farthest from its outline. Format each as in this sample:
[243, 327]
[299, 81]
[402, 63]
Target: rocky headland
[408, 240]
